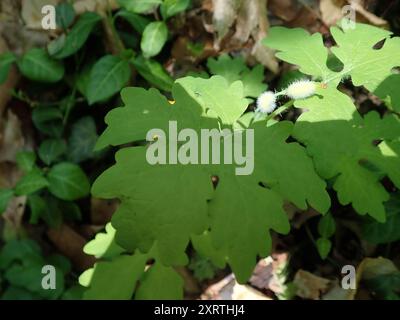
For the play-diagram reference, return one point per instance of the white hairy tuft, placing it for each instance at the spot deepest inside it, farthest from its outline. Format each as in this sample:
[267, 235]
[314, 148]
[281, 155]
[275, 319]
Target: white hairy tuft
[301, 89]
[266, 102]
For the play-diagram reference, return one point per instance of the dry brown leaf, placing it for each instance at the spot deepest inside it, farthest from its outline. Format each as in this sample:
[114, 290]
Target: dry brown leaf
[225, 13]
[70, 243]
[11, 137]
[331, 11]
[310, 286]
[266, 275]
[13, 217]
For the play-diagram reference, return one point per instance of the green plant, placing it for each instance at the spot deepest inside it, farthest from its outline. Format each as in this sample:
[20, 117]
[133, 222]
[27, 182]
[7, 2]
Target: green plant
[163, 207]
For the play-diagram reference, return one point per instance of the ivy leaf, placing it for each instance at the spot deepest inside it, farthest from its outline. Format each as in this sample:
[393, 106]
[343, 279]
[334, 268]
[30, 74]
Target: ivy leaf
[68, 182]
[37, 65]
[153, 39]
[6, 60]
[341, 141]
[153, 72]
[78, 35]
[107, 77]
[282, 172]
[30, 183]
[5, 197]
[51, 149]
[82, 140]
[233, 69]
[170, 8]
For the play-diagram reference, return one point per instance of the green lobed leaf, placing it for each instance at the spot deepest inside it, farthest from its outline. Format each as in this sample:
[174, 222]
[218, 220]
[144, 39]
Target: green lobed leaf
[233, 69]
[341, 141]
[183, 202]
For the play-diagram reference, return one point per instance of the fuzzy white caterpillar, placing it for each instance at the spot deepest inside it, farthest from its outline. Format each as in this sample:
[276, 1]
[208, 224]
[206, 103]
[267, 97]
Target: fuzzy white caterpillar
[301, 89]
[266, 102]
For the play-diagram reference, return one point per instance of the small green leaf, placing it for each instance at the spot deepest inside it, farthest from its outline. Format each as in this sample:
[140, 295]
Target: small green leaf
[45, 208]
[5, 197]
[154, 37]
[80, 32]
[170, 8]
[56, 45]
[50, 150]
[324, 247]
[26, 160]
[82, 140]
[48, 120]
[140, 6]
[153, 72]
[65, 15]
[6, 60]
[326, 226]
[138, 22]
[107, 77]
[37, 65]
[38, 206]
[389, 231]
[68, 182]
[30, 183]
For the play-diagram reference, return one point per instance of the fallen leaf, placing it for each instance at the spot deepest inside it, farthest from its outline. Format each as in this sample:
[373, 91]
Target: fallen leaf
[310, 286]
[11, 137]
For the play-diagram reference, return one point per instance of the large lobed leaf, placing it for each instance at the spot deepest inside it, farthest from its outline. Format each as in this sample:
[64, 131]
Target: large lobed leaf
[162, 206]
